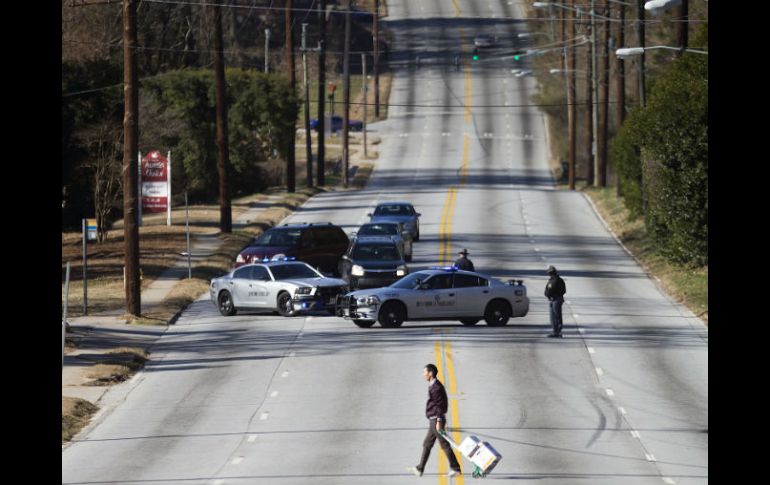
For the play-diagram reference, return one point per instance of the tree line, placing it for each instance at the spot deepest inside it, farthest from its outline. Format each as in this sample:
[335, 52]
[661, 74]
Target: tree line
[661, 156]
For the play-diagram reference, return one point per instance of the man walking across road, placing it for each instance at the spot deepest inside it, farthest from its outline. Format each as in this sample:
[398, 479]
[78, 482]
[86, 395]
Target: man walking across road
[554, 291]
[463, 262]
[435, 411]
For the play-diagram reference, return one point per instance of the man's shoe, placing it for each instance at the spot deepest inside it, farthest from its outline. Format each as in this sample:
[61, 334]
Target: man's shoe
[452, 473]
[553, 335]
[417, 472]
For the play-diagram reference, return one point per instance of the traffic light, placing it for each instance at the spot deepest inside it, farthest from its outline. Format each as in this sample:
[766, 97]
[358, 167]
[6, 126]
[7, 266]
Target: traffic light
[517, 54]
[475, 54]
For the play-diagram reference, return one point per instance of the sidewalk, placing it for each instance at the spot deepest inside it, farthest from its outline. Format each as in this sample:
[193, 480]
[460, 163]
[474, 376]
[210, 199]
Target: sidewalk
[96, 335]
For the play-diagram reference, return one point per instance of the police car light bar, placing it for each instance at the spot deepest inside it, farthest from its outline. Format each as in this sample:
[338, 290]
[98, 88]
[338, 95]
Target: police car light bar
[445, 268]
[282, 258]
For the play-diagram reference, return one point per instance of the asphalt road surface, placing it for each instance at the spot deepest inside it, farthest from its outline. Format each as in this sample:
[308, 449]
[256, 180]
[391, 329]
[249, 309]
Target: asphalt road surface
[256, 398]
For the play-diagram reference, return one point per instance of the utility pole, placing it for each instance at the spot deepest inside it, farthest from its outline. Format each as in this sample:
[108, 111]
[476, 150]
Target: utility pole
[308, 141]
[593, 162]
[321, 178]
[681, 27]
[365, 85]
[604, 97]
[130, 164]
[346, 99]
[589, 110]
[290, 176]
[640, 43]
[223, 155]
[620, 80]
[376, 66]
[572, 114]
[267, 50]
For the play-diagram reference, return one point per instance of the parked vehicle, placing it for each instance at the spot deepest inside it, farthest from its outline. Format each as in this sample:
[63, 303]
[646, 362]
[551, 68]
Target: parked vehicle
[372, 262]
[393, 230]
[319, 244]
[437, 294]
[402, 212]
[336, 124]
[288, 287]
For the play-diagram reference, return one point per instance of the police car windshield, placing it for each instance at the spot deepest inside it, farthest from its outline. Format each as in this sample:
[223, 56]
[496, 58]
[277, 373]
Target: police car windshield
[392, 210]
[378, 230]
[410, 282]
[376, 252]
[293, 271]
[278, 237]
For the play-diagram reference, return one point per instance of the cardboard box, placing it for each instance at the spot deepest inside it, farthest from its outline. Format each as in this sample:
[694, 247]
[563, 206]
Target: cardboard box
[478, 452]
[486, 457]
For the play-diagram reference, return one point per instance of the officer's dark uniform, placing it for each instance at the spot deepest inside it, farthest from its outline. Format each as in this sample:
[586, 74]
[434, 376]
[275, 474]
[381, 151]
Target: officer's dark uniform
[463, 262]
[554, 291]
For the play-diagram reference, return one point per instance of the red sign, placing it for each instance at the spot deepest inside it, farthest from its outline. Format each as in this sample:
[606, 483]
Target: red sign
[155, 188]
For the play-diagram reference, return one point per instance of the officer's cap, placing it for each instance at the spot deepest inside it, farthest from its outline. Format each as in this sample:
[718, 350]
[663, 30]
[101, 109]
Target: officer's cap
[551, 270]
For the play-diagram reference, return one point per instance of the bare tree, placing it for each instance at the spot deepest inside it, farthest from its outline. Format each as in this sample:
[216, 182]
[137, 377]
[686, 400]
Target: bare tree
[105, 142]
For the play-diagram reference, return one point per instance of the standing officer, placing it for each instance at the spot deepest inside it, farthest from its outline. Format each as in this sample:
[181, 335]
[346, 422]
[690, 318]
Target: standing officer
[554, 291]
[435, 411]
[463, 262]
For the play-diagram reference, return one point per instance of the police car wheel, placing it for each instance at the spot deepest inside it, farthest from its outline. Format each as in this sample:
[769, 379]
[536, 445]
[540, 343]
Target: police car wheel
[392, 315]
[285, 307]
[497, 313]
[226, 306]
[363, 323]
[469, 321]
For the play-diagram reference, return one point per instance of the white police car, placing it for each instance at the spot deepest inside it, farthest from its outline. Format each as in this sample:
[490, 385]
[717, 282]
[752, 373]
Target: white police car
[437, 294]
[288, 287]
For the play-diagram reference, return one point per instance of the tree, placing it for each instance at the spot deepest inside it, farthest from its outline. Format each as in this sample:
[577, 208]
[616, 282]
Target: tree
[262, 111]
[661, 154]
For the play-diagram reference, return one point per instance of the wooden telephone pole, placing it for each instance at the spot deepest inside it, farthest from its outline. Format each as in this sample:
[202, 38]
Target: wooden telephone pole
[130, 160]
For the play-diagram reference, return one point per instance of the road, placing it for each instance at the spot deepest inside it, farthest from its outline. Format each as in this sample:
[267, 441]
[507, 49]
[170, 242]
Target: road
[256, 398]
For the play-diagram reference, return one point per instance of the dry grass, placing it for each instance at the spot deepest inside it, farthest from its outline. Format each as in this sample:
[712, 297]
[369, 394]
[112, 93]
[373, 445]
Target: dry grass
[121, 364]
[75, 413]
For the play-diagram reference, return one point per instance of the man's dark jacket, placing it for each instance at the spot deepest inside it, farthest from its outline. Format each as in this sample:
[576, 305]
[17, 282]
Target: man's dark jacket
[555, 288]
[464, 264]
[437, 401]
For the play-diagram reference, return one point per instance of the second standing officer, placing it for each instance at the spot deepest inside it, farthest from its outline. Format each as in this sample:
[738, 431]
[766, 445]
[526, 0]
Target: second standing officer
[554, 291]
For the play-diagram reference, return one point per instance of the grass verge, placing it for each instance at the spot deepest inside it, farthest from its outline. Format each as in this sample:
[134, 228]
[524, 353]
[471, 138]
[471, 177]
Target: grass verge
[75, 414]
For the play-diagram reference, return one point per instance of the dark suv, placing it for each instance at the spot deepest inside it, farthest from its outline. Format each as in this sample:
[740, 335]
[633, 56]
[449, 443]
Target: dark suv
[372, 262]
[319, 245]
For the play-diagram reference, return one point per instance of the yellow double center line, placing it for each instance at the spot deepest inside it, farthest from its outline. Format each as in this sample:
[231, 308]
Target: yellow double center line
[443, 351]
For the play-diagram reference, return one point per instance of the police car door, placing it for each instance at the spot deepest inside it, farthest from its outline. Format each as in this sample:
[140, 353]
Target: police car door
[472, 295]
[241, 286]
[259, 286]
[437, 298]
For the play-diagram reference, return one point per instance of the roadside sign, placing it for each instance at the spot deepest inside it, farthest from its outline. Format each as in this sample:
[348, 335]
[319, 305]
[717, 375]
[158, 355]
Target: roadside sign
[155, 190]
[91, 229]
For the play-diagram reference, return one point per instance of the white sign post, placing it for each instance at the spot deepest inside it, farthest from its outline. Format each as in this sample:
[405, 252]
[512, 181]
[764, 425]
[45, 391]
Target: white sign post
[168, 172]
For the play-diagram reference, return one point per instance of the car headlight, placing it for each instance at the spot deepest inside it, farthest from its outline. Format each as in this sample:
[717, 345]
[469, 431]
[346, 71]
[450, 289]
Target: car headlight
[306, 290]
[357, 270]
[240, 259]
[368, 300]
[401, 270]
[278, 257]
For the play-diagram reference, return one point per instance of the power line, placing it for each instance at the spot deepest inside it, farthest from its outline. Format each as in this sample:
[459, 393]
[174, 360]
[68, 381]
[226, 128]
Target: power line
[365, 12]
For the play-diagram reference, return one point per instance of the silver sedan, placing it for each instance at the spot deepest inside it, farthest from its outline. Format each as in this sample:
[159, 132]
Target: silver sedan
[286, 287]
[437, 294]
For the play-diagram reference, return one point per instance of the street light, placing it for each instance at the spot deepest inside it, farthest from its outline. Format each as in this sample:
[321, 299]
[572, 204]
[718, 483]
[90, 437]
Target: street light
[661, 5]
[635, 51]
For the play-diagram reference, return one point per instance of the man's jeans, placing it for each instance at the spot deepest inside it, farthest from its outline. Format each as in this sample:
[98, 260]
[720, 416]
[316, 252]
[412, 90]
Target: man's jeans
[556, 322]
[427, 445]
